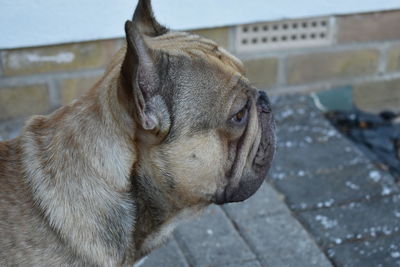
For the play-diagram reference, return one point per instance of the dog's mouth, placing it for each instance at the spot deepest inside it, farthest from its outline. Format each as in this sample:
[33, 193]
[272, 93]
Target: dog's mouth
[253, 176]
[266, 148]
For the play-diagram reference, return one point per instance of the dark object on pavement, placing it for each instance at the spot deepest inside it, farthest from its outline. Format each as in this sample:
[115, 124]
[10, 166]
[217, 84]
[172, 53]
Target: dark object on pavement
[376, 135]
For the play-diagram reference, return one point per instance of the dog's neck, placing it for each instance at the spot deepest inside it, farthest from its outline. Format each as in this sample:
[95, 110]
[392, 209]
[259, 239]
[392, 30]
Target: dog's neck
[159, 213]
[85, 155]
[152, 205]
[83, 158]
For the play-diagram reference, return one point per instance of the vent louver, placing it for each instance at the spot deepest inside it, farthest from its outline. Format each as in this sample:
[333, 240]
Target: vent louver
[284, 34]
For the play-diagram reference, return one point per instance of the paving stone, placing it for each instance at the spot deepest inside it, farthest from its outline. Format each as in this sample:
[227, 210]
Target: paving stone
[304, 150]
[294, 159]
[292, 108]
[298, 119]
[211, 240]
[266, 201]
[297, 115]
[317, 168]
[307, 142]
[379, 252]
[356, 220]
[279, 240]
[168, 255]
[344, 184]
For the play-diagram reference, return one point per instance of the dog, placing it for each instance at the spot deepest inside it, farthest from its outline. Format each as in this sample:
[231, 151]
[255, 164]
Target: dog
[172, 127]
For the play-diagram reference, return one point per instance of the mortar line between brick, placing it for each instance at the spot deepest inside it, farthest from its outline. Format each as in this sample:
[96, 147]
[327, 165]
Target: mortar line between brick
[1, 64]
[335, 28]
[231, 39]
[54, 93]
[44, 77]
[326, 84]
[383, 58]
[252, 249]
[336, 47]
[281, 79]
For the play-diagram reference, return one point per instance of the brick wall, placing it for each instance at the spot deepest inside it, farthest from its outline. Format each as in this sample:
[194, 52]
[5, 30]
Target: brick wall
[365, 56]
[40, 79]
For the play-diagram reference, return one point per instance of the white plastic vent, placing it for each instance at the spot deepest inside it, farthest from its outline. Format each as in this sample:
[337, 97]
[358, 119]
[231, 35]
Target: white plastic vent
[284, 34]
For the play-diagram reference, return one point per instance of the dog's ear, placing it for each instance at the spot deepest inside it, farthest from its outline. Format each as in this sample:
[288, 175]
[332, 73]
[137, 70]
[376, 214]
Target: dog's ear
[145, 21]
[142, 82]
[141, 74]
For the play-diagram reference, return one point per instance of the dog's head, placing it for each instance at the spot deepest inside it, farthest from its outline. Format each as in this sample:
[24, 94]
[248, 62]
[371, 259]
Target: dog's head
[203, 133]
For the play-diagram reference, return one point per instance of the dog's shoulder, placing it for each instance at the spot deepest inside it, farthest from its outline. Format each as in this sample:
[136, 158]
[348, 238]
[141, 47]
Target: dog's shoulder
[6, 149]
[10, 164]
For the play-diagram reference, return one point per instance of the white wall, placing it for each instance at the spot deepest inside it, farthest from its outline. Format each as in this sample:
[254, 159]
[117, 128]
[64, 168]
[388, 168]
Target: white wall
[41, 22]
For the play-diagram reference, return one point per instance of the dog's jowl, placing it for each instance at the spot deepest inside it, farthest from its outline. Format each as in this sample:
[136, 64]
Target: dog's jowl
[171, 127]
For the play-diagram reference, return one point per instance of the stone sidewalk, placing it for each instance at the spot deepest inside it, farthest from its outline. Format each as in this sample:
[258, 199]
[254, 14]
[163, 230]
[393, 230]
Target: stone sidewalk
[349, 207]
[325, 204]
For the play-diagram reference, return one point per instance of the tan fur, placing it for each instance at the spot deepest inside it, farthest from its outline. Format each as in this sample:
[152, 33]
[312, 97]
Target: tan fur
[89, 185]
[182, 43]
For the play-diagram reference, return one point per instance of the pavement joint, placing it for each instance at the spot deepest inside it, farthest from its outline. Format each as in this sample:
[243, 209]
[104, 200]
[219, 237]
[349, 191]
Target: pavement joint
[237, 228]
[185, 251]
[344, 203]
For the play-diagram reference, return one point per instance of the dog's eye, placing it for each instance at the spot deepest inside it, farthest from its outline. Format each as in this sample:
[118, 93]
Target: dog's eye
[241, 116]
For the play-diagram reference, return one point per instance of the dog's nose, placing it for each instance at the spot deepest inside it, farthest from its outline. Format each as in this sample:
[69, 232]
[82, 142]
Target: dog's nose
[263, 102]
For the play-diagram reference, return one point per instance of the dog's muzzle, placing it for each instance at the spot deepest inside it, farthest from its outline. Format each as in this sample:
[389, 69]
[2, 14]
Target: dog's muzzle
[253, 177]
